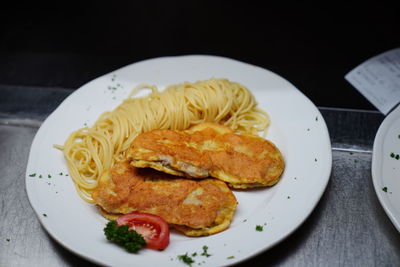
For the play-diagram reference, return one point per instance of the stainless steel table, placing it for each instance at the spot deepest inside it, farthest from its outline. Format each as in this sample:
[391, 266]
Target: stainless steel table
[347, 228]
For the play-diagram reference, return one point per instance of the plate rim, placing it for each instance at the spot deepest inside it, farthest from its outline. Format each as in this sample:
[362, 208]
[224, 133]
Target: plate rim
[376, 165]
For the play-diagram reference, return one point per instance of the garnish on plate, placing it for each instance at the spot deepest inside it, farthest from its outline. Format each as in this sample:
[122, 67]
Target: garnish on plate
[153, 228]
[259, 228]
[135, 230]
[185, 258]
[128, 239]
[205, 252]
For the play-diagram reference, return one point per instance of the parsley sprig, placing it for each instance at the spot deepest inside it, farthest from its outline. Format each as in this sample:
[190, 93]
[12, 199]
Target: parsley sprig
[121, 235]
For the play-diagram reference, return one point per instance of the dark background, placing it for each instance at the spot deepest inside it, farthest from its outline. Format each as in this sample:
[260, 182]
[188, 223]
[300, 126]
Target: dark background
[67, 44]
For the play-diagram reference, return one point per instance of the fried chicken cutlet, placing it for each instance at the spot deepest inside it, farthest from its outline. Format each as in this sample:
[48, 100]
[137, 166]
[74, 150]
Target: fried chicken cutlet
[194, 207]
[210, 149]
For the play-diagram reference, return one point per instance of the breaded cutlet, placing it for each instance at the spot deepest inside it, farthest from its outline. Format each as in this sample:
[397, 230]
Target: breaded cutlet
[210, 149]
[194, 207]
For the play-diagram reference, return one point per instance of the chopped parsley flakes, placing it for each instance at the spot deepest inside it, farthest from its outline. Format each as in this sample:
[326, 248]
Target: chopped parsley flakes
[259, 228]
[205, 252]
[186, 259]
[48, 175]
[384, 189]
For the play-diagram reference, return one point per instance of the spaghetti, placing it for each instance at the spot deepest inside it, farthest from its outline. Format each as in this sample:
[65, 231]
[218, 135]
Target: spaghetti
[90, 151]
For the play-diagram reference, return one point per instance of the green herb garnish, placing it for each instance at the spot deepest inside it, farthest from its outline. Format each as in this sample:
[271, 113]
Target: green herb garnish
[32, 175]
[205, 252]
[44, 215]
[186, 259]
[48, 176]
[384, 189]
[230, 257]
[259, 228]
[121, 235]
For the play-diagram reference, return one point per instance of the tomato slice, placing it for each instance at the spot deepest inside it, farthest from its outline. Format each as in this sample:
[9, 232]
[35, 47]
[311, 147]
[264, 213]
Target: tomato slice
[153, 228]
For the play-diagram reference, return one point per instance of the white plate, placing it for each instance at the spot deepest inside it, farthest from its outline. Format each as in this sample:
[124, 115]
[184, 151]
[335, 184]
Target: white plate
[386, 166]
[297, 128]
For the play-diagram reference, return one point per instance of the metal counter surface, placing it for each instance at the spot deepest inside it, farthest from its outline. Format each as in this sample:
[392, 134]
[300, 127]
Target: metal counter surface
[347, 228]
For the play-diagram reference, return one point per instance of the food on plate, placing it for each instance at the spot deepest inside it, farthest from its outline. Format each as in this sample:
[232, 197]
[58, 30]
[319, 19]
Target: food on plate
[135, 230]
[131, 240]
[153, 228]
[194, 207]
[90, 151]
[209, 149]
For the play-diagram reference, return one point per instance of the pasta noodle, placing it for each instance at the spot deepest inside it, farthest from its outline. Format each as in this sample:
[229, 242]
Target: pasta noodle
[91, 150]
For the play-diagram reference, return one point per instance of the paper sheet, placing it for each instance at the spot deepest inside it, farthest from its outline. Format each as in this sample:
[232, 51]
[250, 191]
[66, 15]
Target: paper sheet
[378, 80]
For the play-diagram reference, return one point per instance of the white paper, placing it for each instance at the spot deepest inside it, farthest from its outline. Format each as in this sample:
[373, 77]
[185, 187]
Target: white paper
[378, 80]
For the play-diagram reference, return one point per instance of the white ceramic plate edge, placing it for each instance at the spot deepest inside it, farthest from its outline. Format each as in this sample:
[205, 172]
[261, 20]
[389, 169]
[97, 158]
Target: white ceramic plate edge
[377, 165]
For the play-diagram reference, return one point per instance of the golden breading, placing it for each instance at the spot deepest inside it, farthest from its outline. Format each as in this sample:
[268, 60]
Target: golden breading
[195, 207]
[210, 149]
